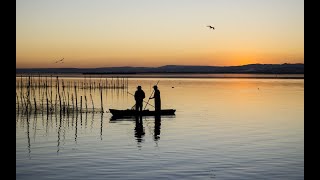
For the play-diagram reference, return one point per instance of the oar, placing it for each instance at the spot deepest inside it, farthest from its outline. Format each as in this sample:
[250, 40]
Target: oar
[143, 101]
[150, 96]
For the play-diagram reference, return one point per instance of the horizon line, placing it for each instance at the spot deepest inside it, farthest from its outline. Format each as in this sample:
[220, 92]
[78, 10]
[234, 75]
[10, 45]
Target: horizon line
[153, 66]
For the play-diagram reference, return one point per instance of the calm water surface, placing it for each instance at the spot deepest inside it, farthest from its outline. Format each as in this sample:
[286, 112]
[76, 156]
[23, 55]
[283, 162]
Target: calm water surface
[223, 129]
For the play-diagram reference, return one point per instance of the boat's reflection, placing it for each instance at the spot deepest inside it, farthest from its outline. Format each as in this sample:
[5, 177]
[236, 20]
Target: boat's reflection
[115, 119]
[139, 129]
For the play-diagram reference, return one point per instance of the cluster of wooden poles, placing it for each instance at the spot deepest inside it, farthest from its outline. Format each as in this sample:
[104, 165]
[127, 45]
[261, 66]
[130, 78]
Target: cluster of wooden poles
[61, 95]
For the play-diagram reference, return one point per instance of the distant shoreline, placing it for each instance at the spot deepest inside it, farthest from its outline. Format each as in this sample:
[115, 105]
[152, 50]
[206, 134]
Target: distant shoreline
[169, 75]
[271, 71]
[147, 73]
[176, 69]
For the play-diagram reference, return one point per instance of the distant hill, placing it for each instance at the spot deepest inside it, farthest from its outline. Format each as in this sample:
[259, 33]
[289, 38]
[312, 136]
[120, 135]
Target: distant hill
[250, 68]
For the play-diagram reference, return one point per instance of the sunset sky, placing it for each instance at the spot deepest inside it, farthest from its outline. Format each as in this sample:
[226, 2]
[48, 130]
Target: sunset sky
[104, 33]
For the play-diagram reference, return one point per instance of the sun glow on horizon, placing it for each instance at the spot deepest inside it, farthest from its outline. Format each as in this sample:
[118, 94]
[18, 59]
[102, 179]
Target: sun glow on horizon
[109, 33]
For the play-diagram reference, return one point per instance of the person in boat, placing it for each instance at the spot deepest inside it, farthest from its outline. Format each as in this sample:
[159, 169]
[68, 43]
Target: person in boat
[157, 99]
[139, 96]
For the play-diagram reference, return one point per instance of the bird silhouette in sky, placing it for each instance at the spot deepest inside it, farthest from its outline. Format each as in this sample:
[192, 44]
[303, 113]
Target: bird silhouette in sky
[60, 61]
[211, 27]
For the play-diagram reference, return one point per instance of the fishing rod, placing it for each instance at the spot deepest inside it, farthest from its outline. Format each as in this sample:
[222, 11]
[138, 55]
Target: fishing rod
[150, 96]
[143, 101]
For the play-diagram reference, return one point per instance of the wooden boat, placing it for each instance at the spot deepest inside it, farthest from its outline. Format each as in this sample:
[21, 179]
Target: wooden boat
[132, 112]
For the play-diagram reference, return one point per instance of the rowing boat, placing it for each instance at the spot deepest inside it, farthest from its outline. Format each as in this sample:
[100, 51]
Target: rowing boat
[132, 112]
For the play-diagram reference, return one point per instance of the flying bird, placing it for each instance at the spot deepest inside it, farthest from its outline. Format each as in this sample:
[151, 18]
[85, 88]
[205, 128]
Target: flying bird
[59, 61]
[211, 27]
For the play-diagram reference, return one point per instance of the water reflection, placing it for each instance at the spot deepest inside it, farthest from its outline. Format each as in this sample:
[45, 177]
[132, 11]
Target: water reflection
[101, 126]
[157, 126]
[86, 120]
[139, 130]
[59, 130]
[53, 126]
[75, 138]
[241, 133]
[35, 128]
[92, 122]
[28, 135]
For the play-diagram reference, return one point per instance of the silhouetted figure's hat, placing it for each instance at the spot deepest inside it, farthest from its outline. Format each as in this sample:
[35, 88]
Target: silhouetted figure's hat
[139, 87]
[155, 87]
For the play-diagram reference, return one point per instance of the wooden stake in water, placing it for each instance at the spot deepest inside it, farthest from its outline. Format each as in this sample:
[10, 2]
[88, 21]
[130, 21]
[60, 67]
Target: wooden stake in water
[55, 104]
[17, 101]
[92, 103]
[21, 84]
[47, 106]
[39, 81]
[85, 98]
[24, 102]
[75, 90]
[35, 105]
[39, 86]
[51, 93]
[42, 103]
[90, 83]
[80, 104]
[101, 99]
[68, 105]
[64, 107]
[28, 95]
[59, 95]
[72, 103]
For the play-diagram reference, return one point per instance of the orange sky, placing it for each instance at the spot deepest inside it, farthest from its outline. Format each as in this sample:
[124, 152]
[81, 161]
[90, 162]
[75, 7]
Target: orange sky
[142, 33]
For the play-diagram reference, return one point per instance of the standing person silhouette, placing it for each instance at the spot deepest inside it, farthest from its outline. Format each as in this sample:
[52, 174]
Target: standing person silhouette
[139, 96]
[157, 99]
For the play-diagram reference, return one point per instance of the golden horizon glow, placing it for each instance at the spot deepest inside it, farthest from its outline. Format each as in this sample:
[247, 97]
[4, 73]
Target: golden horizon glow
[110, 33]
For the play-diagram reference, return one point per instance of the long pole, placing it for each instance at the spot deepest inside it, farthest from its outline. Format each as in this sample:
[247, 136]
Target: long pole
[150, 96]
[143, 100]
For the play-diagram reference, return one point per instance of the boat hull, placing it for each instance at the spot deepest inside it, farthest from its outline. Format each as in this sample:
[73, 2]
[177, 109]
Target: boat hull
[130, 112]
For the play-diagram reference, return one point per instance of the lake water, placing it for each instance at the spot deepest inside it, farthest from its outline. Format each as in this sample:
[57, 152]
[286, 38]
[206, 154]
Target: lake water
[223, 129]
